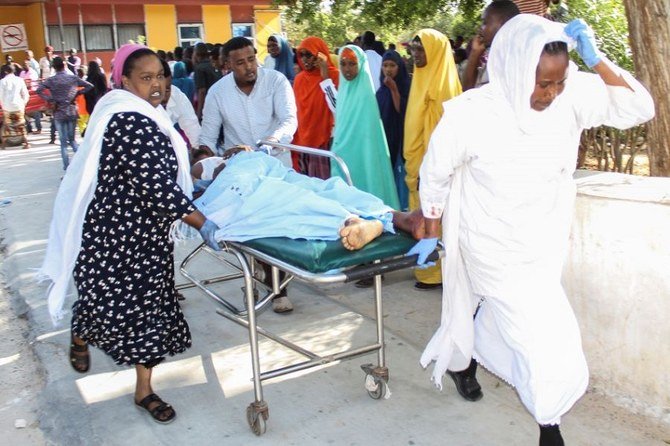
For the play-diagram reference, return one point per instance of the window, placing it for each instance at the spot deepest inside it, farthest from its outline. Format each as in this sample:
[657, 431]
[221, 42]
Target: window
[98, 37]
[70, 37]
[127, 32]
[189, 34]
[243, 30]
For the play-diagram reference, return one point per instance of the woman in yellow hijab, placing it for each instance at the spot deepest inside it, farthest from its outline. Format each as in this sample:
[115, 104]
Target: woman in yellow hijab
[435, 81]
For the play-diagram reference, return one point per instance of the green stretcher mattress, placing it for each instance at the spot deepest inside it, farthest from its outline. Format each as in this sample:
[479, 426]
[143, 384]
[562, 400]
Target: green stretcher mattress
[318, 256]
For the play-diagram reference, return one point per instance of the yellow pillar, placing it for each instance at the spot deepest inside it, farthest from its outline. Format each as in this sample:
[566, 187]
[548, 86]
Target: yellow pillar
[217, 23]
[33, 23]
[161, 26]
[267, 23]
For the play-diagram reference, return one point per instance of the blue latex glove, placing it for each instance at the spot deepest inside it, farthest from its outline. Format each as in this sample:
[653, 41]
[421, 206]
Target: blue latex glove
[423, 247]
[207, 233]
[586, 41]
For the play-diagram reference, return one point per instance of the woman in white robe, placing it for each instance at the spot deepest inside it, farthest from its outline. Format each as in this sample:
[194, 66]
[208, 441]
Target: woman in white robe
[505, 197]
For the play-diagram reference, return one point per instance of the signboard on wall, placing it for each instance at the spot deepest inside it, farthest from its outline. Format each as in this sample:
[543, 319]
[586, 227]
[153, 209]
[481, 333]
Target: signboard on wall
[13, 37]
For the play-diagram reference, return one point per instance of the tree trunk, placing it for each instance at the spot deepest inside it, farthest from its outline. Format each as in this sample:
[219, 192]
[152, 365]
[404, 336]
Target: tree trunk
[649, 28]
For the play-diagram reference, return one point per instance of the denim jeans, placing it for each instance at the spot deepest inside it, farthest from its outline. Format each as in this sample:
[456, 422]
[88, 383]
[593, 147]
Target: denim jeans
[65, 130]
[37, 116]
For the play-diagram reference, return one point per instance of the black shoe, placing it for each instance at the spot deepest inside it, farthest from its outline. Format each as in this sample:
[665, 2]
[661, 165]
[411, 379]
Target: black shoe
[466, 382]
[52, 141]
[422, 286]
[366, 283]
[550, 435]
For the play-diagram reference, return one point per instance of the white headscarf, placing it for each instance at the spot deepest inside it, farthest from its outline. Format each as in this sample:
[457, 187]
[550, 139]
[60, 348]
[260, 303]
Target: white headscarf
[515, 53]
[79, 184]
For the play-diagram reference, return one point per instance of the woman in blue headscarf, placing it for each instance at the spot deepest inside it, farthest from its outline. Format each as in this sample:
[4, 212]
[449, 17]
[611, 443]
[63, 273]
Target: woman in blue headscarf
[181, 80]
[280, 56]
[359, 135]
[392, 99]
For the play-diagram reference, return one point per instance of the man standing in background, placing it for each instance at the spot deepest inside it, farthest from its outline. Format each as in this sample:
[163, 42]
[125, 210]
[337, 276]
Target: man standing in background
[63, 89]
[13, 99]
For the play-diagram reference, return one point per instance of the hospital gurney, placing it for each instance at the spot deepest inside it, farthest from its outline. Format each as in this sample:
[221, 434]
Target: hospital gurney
[314, 262]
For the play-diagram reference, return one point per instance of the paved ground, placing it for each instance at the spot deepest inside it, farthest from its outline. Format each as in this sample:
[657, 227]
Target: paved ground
[209, 385]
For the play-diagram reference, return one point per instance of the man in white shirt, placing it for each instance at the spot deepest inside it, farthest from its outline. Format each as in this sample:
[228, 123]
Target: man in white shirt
[13, 99]
[46, 70]
[180, 109]
[374, 59]
[251, 104]
[32, 62]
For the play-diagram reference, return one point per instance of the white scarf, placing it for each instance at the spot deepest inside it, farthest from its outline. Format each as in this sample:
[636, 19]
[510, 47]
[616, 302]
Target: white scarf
[79, 184]
[512, 65]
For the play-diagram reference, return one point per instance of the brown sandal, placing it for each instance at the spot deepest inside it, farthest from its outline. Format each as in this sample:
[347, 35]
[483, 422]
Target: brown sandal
[159, 410]
[80, 359]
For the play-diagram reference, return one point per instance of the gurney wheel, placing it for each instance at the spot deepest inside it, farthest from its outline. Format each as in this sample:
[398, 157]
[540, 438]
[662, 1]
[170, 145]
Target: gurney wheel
[378, 390]
[256, 420]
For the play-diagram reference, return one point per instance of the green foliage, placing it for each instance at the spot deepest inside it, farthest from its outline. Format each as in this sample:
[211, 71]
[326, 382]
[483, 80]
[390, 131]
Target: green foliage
[396, 20]
[608, 20]
[391, 20]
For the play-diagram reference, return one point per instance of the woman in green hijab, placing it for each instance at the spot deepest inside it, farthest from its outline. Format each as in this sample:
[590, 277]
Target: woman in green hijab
[359, 133]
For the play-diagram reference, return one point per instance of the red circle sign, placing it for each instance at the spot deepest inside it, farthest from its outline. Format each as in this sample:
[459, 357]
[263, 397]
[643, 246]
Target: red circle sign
[12, 35]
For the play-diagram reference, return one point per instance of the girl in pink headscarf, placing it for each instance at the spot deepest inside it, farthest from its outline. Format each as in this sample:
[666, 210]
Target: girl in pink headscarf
[113, 227]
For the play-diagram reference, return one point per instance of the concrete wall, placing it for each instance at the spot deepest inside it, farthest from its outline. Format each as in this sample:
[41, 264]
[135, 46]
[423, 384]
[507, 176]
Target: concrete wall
[617, 277]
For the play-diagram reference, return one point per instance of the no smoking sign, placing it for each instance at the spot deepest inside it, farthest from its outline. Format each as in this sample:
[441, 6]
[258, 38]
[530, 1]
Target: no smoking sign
[13, 37]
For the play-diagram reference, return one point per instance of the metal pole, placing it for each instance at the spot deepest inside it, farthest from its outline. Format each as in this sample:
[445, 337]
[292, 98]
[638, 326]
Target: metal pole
[60, 28]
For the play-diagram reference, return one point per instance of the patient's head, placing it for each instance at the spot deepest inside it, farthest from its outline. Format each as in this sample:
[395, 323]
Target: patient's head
[199, 154]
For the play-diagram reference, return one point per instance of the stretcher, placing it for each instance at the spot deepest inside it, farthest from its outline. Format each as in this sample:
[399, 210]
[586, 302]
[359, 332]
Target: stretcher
[315, 262]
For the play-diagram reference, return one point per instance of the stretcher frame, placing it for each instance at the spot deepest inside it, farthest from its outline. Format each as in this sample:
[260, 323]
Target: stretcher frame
[376, 376]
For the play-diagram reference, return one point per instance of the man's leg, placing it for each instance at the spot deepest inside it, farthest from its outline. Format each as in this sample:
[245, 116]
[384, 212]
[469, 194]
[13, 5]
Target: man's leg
[29, 126]
[38, 121]
[21, 128]
[62, 134]
[5, 129]
[281, 302]
[52, 130]
[72, 123]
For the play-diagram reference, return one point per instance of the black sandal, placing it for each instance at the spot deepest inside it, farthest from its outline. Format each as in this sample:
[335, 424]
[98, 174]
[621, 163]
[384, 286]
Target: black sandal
[159, 410]
[80, 360]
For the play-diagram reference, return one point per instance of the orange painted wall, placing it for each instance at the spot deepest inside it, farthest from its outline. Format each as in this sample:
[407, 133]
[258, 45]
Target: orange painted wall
[31, 17]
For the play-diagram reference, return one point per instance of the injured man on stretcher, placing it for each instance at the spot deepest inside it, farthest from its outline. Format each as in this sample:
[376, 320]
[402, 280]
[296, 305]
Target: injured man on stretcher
[251, 195]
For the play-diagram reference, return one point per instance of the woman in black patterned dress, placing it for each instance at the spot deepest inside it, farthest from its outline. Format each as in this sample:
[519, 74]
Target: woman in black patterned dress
[127, 303]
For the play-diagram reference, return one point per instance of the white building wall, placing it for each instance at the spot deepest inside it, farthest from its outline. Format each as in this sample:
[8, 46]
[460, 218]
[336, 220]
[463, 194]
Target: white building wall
[617, 277]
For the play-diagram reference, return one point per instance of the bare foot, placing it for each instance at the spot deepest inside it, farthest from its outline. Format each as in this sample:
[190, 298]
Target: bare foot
[412, 222]
[358, 232]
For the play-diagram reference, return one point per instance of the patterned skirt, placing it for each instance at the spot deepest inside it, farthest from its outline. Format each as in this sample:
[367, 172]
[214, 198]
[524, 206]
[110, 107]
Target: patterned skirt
[14, 126]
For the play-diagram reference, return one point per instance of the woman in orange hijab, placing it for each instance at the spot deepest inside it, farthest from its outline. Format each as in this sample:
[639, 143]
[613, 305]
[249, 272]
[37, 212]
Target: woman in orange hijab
[315, 120]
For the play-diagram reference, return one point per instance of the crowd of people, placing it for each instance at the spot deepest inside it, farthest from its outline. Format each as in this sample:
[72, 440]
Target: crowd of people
[492, 166]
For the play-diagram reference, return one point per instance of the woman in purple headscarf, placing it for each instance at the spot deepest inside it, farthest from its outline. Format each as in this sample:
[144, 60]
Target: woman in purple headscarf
[392, 99]
[115, 218]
